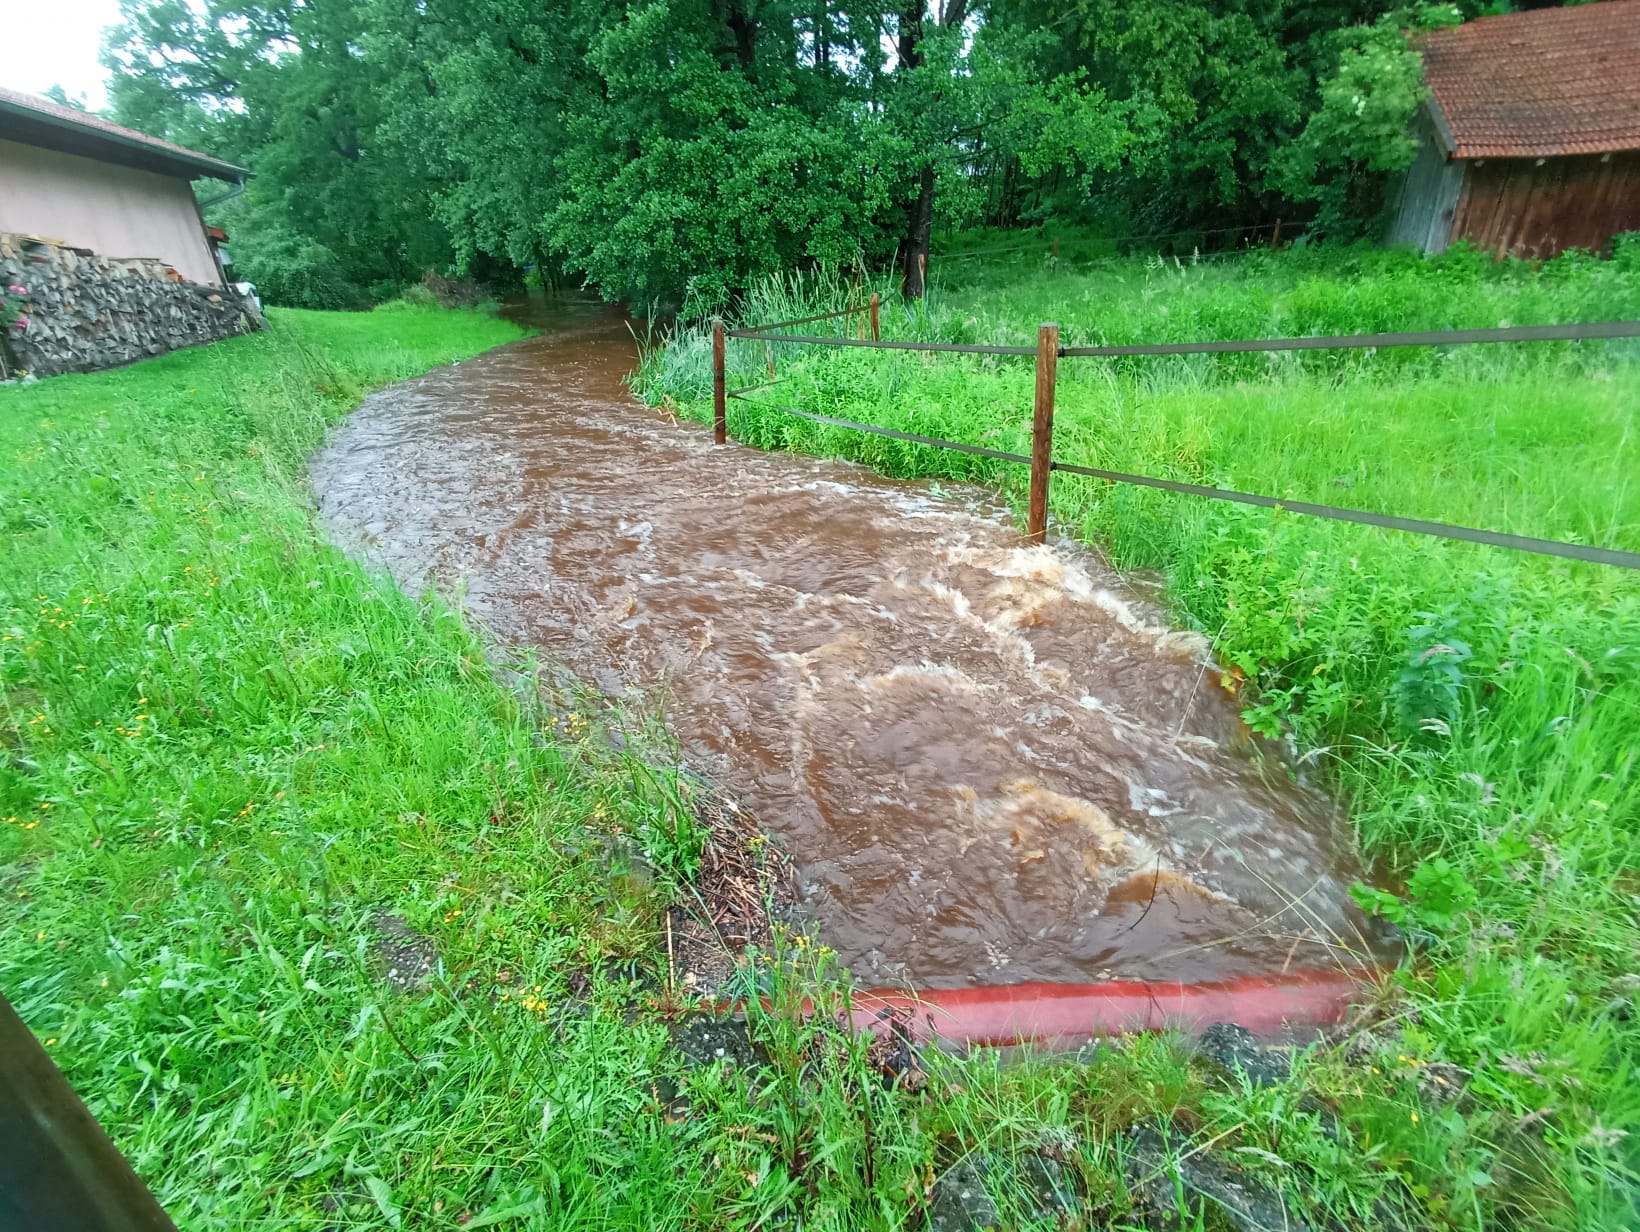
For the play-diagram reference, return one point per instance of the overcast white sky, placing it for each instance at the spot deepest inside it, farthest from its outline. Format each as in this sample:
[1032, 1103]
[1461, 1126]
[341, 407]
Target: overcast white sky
[55, 42]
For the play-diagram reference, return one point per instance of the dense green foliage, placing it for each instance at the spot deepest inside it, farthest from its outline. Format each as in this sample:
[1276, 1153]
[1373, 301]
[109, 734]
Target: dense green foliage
[1476, 707]
[675, 150]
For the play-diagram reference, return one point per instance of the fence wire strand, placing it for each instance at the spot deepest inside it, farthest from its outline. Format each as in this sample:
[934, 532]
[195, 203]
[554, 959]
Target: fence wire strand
[1383, 521]
[1581, 332]
[895, 433]
[1586, 331]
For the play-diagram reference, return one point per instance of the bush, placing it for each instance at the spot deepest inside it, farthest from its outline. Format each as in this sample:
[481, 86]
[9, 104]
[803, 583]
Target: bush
[295, 272]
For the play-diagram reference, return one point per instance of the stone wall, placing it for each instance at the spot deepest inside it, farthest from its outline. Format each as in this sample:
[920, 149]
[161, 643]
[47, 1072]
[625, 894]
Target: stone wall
[82, 312]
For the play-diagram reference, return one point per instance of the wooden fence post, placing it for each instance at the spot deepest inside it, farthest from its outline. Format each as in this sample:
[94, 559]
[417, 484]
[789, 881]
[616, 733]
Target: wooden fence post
[1047, 370]
[1056, 248]
[876, 324]
[720, 392]
[1275, 236]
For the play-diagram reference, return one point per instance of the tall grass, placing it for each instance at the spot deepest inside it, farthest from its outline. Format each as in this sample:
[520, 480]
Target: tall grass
[333, 929]
[1477, 708]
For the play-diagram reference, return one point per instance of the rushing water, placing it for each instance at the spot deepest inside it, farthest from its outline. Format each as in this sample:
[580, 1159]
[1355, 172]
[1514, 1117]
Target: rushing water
[991, 763]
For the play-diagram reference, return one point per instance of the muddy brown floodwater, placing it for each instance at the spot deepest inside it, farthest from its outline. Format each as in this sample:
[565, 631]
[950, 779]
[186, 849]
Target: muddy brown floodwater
[990, 763]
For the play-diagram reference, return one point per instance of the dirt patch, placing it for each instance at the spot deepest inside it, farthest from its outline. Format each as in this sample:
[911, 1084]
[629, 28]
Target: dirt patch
[960, 1201]
[892, 1053]
[1237, 1052]
[704, 1041]
[981, 1193]
[743, 886]
[404, 958]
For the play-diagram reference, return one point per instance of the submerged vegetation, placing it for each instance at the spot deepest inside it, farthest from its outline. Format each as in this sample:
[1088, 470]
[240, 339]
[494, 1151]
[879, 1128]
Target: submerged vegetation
[1476, 707]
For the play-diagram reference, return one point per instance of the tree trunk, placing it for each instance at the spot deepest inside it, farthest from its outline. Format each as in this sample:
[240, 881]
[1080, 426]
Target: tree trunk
[741, 25]
[744, 28]
[919, 236]
[909, 43]
[920, 215]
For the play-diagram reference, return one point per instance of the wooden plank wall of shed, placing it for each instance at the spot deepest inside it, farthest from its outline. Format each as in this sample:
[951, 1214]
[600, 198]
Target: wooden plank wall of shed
[1429, 194]
[1514, 206]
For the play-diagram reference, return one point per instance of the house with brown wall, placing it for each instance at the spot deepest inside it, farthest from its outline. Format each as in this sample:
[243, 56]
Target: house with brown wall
[1529, 142]
[76, 179]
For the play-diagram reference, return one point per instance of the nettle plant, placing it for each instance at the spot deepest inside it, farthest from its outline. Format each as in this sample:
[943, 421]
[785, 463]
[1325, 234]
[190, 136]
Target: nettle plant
[1428, 691]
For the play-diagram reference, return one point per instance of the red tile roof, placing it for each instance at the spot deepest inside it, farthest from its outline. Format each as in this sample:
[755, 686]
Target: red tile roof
[98, 130]
[1541, 83]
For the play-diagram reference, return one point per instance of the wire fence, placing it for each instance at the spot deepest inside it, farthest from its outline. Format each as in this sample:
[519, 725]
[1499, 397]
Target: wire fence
[1581, 332]
[1049, 351]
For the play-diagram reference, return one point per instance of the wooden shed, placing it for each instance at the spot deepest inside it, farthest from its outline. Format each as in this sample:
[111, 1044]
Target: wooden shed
[1529, 143]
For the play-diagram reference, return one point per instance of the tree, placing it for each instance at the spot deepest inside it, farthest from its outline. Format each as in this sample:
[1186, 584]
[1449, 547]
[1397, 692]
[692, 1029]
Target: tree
[672, 151]
[707, 152]
[962, 91]
[57, 94]
[287, 89]
[1362, 131]
[1217, 91]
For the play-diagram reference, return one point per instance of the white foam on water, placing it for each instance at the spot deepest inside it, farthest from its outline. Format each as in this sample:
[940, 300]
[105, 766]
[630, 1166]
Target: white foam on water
[1152, 801]
[1186, 642]
[803, 599]
[643, 532]
[924, 672]
[1002, 634]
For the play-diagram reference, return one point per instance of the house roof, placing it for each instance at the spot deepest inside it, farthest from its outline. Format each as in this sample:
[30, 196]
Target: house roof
[33, 120]
[1538, 84]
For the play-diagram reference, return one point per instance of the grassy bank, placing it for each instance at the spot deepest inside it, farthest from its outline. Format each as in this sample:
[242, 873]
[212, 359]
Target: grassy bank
[1476, 707]
[332, 929]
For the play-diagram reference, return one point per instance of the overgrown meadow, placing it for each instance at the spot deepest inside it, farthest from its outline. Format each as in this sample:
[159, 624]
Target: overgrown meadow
[1477, 708]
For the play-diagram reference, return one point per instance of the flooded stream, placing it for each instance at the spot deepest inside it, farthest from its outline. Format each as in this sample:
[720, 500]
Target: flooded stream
[990, 763]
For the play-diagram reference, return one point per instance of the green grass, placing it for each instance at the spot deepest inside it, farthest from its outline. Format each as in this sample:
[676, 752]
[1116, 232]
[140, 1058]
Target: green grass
[1478, 708]
[226, 752]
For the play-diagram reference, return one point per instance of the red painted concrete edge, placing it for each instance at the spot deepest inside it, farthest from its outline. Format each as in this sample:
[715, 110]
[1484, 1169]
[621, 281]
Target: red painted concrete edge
[1068, 1015]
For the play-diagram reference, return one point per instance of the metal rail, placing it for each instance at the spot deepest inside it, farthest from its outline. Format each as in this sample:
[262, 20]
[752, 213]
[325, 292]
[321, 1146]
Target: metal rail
[1048, 352]
[1584, 331]
[1581, 332]
[869, 308]
[873, 430]
[819, 316]
[1384, 521]
[947, 347]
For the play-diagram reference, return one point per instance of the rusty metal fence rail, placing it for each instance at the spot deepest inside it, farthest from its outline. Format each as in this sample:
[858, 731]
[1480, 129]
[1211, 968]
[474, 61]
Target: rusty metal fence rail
[1047, 353]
